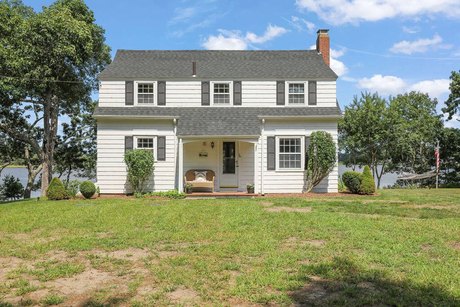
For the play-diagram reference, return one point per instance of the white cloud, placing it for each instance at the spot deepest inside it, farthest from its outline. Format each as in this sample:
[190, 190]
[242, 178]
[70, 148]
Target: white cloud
[301, 24]
[435, 88]
[270, 33]
[419, 46]
[410, 30]
[384, 85]
[226, 40]
[234, 40]
[183, 14]
[392, 85]
[354, 11]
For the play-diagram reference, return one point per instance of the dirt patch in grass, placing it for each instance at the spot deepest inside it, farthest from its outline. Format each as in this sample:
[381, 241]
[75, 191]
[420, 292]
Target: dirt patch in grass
[294, 242]
[288, 209]
[456, 245]
[183, 295]
[266, 204]
[133, 254]
[82, 283]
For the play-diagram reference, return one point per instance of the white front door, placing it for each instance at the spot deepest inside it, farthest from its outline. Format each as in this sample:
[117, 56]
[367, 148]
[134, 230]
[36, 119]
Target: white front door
[229, 165]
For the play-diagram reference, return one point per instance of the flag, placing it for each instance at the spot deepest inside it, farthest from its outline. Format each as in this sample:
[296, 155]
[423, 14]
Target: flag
[436, 154]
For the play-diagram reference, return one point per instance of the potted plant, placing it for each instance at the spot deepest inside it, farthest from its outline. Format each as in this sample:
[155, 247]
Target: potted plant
[250, 188]
[188, 188]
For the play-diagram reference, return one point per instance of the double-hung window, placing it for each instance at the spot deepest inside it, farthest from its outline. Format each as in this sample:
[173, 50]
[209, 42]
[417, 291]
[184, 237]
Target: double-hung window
[145, 93]
[221, 93]
[296, 93]
[289, 153]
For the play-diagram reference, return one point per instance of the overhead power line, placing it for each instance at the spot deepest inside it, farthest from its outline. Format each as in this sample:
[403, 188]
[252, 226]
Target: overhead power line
[39, 80]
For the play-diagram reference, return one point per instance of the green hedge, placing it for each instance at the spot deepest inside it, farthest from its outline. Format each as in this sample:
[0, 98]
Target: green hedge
[87, 189]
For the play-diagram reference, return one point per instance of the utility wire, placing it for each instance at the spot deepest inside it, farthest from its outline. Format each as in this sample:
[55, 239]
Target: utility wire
[40, 80]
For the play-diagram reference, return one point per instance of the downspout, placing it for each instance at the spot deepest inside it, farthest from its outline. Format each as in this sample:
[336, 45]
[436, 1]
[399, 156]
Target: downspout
[176, 152]
[262, 157]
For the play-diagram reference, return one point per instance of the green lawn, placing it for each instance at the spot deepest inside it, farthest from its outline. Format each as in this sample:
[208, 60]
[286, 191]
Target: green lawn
[399, 248]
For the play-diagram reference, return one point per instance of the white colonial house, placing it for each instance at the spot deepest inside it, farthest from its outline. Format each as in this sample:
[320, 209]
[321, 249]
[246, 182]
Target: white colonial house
[246, 116]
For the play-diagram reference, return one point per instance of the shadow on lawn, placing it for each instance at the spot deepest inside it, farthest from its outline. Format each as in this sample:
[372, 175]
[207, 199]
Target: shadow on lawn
[341, 282]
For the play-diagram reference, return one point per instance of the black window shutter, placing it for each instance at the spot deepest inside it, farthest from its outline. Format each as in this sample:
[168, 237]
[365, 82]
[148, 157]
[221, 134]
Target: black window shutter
[205, 93]
[237, 93]
[307, 146]
[161, 148]
[128, 143]
[280, 93]
[312, 93]
[129, 93]
[271, 153]
[161, 93]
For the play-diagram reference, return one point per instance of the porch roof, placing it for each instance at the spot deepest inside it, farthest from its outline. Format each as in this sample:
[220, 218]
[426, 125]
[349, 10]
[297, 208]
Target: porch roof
[224, 121]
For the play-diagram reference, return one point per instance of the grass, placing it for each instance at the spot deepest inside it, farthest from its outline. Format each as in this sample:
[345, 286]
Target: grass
[401, 247]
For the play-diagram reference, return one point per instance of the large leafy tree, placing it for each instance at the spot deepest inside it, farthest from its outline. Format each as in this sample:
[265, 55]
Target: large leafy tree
[50, 60]
[453, 102]
[364, 133]
[450, 155]
[76, 147]
[416, 127]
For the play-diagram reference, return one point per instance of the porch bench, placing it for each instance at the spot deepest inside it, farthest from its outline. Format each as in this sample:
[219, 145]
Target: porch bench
[190, 178]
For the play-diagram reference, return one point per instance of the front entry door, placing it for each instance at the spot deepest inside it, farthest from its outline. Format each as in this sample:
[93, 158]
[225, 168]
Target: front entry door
[229, 167]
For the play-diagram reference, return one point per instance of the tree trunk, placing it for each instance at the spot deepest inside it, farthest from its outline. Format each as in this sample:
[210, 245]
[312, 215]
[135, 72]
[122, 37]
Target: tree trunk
[31, 174]
[50, 125]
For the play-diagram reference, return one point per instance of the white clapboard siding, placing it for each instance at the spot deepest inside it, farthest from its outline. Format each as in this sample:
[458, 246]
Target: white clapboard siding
[258, 93]
[112, 94]
[183, 93]
[326, 93]
[111, 170]
[293, 181]
[188, 94]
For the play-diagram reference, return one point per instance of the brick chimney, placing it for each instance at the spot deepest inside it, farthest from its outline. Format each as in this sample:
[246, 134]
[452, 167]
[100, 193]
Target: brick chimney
[323, 45]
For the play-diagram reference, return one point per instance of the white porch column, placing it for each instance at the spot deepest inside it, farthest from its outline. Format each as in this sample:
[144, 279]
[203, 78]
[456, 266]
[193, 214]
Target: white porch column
[181, 166]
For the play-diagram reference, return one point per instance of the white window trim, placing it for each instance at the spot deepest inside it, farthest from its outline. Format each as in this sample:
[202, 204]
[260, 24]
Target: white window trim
[305, 86]
[302, 153]
[154, 137]
[211, 98]
[154, 94]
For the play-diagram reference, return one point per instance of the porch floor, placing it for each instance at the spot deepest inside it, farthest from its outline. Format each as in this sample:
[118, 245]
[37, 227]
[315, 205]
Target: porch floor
[221, 195]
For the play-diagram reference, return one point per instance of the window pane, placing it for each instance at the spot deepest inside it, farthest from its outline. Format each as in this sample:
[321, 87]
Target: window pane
[145, 93]
[296, 93]
[289, 153]
[145, 143]
[221, 93]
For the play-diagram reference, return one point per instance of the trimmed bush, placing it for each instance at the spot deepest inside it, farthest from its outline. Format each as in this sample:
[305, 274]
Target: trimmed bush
[367, 186]
[56, 190]
[140, 164]
[87, 189]
[352, 181]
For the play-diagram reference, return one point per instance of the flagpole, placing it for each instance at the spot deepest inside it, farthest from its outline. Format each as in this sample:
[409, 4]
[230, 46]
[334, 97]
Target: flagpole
[437, 164]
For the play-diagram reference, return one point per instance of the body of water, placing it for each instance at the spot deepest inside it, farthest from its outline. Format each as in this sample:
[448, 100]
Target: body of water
[21, 173]
[388, 179]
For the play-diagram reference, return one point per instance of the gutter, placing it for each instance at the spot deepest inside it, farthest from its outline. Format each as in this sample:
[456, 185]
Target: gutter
[300, 116]
[137, 116]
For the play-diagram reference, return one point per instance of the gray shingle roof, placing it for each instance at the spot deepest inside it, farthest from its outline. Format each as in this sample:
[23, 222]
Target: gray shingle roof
[234, 121]
[215, 64]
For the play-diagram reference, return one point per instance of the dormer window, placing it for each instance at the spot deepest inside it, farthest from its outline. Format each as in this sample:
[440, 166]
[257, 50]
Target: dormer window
[145, 93]
[221, 93]
[296, 92]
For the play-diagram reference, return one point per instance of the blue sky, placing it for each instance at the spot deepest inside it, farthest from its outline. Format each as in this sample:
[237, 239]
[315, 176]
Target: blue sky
[389, 46]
